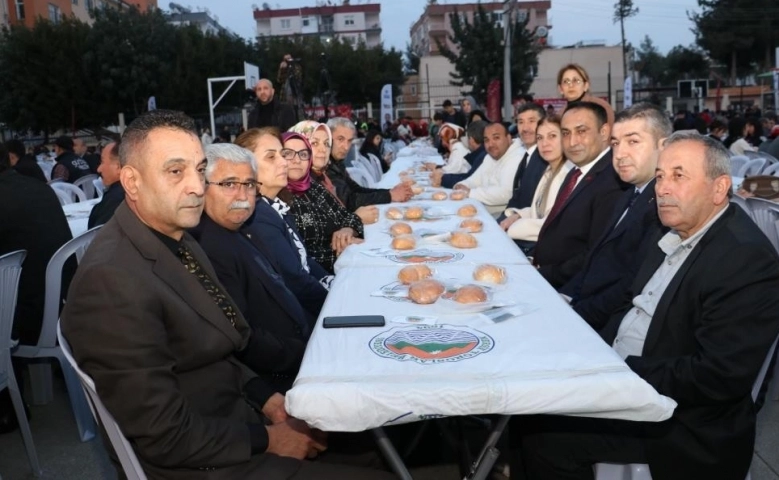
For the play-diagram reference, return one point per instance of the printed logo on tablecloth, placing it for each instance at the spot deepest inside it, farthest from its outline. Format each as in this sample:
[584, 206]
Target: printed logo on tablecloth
[431, 344]
[426, 256]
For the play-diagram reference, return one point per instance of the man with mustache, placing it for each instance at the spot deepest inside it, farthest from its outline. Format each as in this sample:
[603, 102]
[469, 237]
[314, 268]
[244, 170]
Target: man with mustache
[149, 321]
[611, 265]
[703, 316]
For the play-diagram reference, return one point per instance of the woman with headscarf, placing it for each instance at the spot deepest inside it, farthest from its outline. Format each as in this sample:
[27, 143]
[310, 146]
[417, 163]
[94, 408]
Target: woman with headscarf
[326, 226]
[573, 82]
[372, 146]
[272, 229]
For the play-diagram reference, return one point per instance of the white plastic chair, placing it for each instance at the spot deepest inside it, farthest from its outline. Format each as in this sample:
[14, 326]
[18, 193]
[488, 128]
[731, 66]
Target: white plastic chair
[772, 169]
[752, 167]
[86, 184]
[368, 166]
[770, 159]
[99, 187]
[10, 270]
[127, 458]
[71, 190]
[360, 176]
[640, 471]
[376, 164]
[40, 373]
[64, 197]
[765, 213]
[736, 162]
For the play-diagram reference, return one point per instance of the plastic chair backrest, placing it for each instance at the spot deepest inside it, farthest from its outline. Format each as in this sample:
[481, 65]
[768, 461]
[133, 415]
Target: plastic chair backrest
[359, 175]
[127, 458]
[51, 304]
[367, 165]
[64, 197]
[770, 159]
[765, 213]
[772, 169]
[86, 183]
[10, 271]
[736, 162]
[752, 167]
[376, 164]
[72, 190]
[99, 187]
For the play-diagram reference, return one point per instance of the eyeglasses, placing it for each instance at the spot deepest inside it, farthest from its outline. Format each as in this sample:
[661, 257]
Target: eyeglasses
[572, 81]
[289, 154]
[249, 187]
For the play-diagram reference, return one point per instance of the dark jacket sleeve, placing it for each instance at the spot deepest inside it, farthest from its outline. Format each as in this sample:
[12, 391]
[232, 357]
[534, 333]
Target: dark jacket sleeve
[348, 219]
[362, 196]
[285, 116]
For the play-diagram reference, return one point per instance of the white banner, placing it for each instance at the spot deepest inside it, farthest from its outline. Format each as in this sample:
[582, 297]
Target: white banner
[386, 104]
[776, 89]
[627, 95]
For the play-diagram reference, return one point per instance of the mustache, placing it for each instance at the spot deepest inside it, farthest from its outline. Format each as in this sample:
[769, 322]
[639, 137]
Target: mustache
[240, 205]
[666, 202]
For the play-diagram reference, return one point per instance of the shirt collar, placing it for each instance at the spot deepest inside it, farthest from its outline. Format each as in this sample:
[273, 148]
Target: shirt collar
[585, 169]
[672, 243]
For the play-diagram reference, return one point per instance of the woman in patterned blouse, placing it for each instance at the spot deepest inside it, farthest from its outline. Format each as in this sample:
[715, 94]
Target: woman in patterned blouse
[326, 225]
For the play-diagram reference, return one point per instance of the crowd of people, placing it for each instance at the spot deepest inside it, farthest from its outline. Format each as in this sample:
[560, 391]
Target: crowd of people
[193, 306]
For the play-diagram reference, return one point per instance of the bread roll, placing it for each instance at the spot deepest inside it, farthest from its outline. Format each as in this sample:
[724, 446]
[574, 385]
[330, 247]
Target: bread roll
[457, 195]
[425, 291]
[404, 242]
[467, 211]
[463, 240]
[408, 181]
[416, 189]
[414, 273]
[489, 274]
[472, 225]
[394, 213]
[439, 196]
[414, 213]
[400, 228]
[470, 294]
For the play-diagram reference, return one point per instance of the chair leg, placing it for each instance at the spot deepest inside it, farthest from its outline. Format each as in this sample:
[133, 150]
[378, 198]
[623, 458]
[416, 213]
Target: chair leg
[24, 425]
[78, 402]
[41, 382]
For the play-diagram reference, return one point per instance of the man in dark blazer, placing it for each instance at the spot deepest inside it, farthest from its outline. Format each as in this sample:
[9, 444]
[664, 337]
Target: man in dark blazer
[586, 199]
[149, 321]
[22, 162]
[280, 326]
[611, 265]
[475, 157]
[109, 169]
[703, 318]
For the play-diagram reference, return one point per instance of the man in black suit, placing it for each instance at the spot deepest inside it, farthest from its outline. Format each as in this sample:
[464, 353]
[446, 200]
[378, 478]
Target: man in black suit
[584, 203]
[70, 167]
[702, 319]
[280, 326]
[22, 162]
[109, 170]
[270, 111]
[611, 265]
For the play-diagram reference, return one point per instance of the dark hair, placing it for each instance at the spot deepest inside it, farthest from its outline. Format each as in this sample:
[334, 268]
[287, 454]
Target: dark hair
[5, 160]
[735, 130]
[113, 150]
[531, 106]
[476, 131]
[717, 124]
[526, 97]
[16, 147]
[447, 103]
[600, 113]
[64, 142]
[368, 146]
[505, 128]
[438, 116]
[140, 128]
[479, 113]
[656, 120]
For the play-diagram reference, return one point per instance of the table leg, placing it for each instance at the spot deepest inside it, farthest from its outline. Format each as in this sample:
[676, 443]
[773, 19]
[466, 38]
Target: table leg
[482, 467]
[390, 454]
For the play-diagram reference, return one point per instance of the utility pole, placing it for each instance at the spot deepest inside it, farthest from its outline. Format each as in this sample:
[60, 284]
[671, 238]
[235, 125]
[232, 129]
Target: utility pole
[508, 106]
[624, 9]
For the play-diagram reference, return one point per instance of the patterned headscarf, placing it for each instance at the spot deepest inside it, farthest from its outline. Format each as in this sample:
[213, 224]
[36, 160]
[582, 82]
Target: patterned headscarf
[300, 186]
[307, 129]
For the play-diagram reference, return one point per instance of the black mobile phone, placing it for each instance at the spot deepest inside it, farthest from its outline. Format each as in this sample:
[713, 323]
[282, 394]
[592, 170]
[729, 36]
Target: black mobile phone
[354, 321]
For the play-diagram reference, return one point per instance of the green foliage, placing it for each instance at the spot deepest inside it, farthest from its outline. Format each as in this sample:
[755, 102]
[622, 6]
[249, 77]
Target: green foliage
[624, 9]
[480, 57]
[411, 60]
[650, 63]
[680, 63]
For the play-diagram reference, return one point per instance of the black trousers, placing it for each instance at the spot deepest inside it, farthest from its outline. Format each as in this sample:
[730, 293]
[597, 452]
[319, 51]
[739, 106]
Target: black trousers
[566, 448]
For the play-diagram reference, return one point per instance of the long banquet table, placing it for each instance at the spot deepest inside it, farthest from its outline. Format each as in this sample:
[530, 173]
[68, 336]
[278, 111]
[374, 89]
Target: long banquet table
[77, 215]
[529, 354]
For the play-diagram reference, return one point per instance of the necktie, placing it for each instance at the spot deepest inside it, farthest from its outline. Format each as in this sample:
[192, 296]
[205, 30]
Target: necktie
[521, 170]
[631, 202]
[565, 192]
[216, 294]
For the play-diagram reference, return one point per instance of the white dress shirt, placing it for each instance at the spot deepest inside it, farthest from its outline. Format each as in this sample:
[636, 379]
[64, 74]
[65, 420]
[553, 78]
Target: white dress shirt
[456, 163]
[635, 325]
[493, 182]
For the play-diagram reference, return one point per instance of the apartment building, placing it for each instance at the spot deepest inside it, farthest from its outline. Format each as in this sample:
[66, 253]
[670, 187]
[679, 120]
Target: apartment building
[25, 12]
[355, 23]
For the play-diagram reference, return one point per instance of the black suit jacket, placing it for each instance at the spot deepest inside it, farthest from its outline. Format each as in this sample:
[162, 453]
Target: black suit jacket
[104, 210]
[528, 180]
[268, 233]
[474, 159]
[280, 326]
[600, 287]
[709, 336]
[29, 167]
[351, 194]
[565, 239]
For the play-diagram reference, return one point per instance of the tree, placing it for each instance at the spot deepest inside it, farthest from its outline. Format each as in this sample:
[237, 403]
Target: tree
[411, 59]
[685, 63]
[624, 9]
[479, 59]
[650, 63]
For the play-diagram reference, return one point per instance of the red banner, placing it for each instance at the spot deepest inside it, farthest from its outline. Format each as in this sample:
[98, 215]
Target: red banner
[493, 100]
[333, 111]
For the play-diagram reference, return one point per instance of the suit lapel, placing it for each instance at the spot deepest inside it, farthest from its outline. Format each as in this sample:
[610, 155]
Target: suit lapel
[645, 200]
[589, 177]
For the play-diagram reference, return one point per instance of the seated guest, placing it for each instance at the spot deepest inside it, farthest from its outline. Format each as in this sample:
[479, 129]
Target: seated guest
[736, 141]
[452, 115]
[583, 207]
[523, 224]
[150, 322]
[474, 157]
[326, 227]
[718, 130]
[23, 163]
[69, 167]
[372, 146]
[352, 195]
[454, 149]
[611, 265]
[280, 327]
[491, 182]
[695, 331]
[272, 228]
[109, 170]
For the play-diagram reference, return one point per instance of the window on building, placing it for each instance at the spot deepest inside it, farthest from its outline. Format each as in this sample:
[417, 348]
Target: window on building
[20, 9]
[90, 4]
[75, 2]
[286, 24]
[413, 89]
[306, 21]
[521, 15]
[349, 20]
[54, 13]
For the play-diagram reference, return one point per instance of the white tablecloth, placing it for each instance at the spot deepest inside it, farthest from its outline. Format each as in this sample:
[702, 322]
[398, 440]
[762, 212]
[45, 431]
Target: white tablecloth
[414, 154]
[78, 215]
